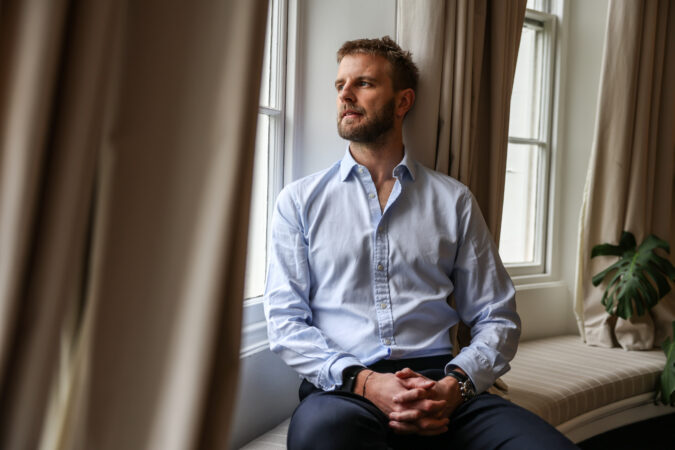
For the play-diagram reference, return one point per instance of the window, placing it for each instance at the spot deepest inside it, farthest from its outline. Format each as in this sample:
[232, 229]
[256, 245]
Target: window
[267, 169]
[524, 219]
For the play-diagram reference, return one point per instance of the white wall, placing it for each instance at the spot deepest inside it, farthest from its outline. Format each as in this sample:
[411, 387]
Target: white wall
[268, 389]
[325, 25]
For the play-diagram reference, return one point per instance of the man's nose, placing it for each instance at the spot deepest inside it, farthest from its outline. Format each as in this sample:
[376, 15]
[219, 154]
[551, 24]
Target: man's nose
[346, 93]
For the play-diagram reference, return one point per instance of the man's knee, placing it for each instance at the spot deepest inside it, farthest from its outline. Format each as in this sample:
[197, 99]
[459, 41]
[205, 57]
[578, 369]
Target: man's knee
[336, 421]
[492, 422]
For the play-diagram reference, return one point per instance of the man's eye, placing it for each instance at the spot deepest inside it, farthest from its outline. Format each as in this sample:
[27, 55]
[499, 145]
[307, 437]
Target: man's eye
[364, 83]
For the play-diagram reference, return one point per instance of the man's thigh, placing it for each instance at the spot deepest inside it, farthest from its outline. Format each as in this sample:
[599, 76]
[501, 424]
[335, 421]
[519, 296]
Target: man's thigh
[337, 420]
[490, 422]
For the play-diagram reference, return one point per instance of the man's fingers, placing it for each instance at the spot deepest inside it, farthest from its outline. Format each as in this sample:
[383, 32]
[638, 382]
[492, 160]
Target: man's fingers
[413, 380]
[418, 383]
[410, 396]
[418, 410]
[406, 373]
[433, 406]
[432, 424]
[403, 427]
[409, 415]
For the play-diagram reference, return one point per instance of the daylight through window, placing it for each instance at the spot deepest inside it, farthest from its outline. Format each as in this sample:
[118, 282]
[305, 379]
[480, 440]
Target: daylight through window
[523, 233]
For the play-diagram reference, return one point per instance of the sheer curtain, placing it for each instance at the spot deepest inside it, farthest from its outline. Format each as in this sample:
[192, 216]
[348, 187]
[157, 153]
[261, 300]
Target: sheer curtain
[467, 52]
[126, 147]
[630, 183]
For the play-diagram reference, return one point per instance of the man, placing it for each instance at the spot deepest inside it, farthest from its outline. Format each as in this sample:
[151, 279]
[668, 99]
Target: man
[364, 257]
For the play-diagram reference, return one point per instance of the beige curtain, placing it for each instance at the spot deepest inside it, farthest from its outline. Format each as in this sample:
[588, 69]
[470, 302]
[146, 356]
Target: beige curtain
[126, 149]
[467, 52]
[630, 184]
[52, 80]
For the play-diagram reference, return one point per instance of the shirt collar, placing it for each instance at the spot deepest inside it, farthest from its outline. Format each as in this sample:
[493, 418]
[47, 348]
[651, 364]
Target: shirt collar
[348, 163]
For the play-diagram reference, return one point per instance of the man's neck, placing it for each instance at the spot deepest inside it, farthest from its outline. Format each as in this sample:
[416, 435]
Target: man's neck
[380, 158]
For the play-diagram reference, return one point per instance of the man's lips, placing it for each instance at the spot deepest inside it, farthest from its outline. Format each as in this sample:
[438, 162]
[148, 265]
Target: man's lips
[351, 113]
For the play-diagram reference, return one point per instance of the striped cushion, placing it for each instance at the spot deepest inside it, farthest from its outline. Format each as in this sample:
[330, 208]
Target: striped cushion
[561, 378]
[557, 378]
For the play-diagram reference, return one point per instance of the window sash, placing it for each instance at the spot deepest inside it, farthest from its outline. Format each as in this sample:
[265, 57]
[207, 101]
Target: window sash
[268, 164]
[540, 138]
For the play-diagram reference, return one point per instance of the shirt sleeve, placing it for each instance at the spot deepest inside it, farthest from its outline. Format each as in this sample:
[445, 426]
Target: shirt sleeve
[485, 299]
[287, 306]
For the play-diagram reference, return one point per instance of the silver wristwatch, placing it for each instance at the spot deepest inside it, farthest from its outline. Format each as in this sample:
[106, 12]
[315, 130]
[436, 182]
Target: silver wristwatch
[466, 387]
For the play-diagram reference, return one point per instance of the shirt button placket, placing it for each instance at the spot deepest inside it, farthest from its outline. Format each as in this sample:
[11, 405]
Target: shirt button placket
[382, 296]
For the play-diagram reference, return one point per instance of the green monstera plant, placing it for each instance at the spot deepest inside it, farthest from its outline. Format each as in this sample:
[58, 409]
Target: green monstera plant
[667, 381]
[637, 281]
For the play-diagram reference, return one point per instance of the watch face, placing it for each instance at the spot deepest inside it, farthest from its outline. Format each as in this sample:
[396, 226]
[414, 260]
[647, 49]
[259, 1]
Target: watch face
[467, 390]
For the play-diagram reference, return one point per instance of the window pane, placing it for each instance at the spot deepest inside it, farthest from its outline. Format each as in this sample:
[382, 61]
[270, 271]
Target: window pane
[269, 85]
[538, 5]
[526, 96]
[257, 229]
[520, 198]
[266, 69]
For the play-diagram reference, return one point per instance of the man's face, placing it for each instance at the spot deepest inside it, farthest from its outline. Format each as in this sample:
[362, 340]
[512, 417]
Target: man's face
[365, 98]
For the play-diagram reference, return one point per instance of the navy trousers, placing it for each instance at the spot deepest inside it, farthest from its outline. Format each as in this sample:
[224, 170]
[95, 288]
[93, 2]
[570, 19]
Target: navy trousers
[338, 420]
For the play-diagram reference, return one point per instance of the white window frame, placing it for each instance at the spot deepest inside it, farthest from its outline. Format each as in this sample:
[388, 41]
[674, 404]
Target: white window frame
[254, 325]
[274, 110]
[547, 23]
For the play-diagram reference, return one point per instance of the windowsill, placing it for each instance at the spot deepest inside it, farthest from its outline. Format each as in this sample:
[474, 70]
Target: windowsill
[532, 279]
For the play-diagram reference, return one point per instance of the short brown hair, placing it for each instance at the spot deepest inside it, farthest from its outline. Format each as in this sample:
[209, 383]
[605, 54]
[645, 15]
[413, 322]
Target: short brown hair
[405, 73]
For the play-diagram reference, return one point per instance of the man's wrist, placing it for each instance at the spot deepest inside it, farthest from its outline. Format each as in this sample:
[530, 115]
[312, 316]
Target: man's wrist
[349, 378]
[361, 381]
[454, 368]
[466, 388]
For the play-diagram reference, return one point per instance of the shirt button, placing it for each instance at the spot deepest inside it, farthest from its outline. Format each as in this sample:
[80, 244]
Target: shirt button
[380, 229]
[380, 267]
[360, 169]
[371, 195]
[387, 342]
[383, 306]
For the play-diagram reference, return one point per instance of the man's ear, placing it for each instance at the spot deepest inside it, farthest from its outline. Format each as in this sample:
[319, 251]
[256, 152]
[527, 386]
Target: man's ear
[405, 102]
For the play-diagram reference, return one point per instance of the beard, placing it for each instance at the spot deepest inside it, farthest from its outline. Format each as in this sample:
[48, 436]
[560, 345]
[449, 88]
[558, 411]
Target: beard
[370, 129]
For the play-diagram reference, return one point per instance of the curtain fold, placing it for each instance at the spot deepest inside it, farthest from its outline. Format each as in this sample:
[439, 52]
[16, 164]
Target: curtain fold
[127, 140]
[630, 183]
[466, 51]
[53, 75]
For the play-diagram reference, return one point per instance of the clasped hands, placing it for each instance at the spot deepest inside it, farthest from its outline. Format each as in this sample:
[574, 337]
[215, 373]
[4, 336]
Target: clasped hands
[413, 403]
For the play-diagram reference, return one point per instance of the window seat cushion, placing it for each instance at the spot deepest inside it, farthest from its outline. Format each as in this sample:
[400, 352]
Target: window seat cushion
[582, 390]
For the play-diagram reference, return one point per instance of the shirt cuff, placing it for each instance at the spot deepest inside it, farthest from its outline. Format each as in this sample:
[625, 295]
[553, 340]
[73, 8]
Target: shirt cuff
[476, 367]
[333, 376]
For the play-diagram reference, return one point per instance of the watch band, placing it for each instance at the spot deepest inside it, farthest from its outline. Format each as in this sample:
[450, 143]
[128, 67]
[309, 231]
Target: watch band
[349, 378]
[459, 376]
[466, 388]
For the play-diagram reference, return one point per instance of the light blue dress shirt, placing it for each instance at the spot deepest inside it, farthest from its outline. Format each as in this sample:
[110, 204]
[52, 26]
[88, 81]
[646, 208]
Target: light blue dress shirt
[350, 284]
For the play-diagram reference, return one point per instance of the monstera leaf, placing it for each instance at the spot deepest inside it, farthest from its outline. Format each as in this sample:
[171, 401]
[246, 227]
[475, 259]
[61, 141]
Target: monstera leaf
[667, 390]
[638, 279]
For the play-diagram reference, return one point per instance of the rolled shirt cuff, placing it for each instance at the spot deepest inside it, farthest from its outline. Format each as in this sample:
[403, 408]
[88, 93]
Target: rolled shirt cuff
[331, 378]
[477, 367]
